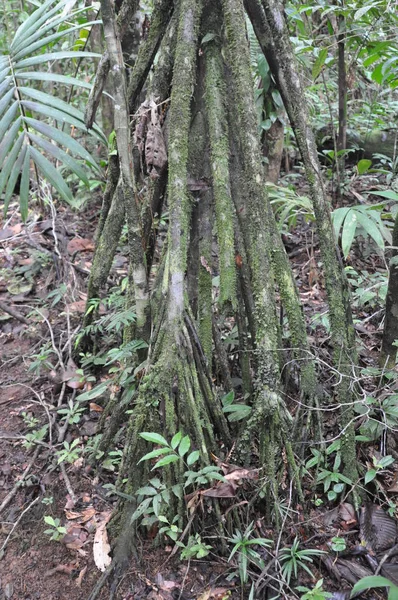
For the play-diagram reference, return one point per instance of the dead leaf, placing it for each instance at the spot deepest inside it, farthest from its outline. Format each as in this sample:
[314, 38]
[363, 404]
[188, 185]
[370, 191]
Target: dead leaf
[80, 577]
[95, 407]
[80, 245]
[101, 547]
[223, 490]
[78, 307]
[347, 513]
[237, 474]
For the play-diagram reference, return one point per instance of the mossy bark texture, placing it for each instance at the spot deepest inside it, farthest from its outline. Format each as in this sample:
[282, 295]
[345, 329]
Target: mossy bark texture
[390, 332]
[268, 21]
[211, 113]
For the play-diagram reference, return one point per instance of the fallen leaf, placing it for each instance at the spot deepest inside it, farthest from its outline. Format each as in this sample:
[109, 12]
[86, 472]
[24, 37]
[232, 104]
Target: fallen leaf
[78, 307]
[101, 547]
[95, 407]
[80, 245]
[223, 490]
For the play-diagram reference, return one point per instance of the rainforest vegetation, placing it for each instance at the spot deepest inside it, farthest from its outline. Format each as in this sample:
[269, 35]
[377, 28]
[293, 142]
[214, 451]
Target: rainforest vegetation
[199, 298]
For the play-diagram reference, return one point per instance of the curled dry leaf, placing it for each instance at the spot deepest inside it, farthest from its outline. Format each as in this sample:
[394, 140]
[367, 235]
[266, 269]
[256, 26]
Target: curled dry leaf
[101, 547]
[222, 490]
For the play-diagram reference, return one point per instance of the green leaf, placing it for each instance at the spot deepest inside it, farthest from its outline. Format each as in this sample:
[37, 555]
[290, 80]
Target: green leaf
[50, 56]
[97, 391]
[193, 457]
[155, 438]
[208, 38]
[390, 194]
[373, 581]
[370, 475]
[16, 169]
[371, 228]
[63, 117]
[5, 100]
[49, 520]
[228, 398]
[52, 175]
[184, 446]
[167, 460]
[176, 440]
[141, 509]
[146, 491]
[62, 138]
[54, 102]
[349, 229]
[8, 140]
[154, 454]
[363, 166]
[24, 188]
[363, 10]
[44, 41]
[8, 118]
[61, 156]
[318, 64]
[55, 77]
[34, 20]
[338, 216]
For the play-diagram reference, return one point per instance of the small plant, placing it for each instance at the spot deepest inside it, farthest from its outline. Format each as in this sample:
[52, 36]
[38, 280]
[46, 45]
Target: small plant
[338, 544]
[155, 499]
[48, 500]
[195, 548]
[30, 421]
[235, 412]
[246, 554]
[38, 435]
[41, 360]
[70, 452]
[331, 479]
[57, 295]
[316, 593]
[379, 464]
[73, 413]
[56, 531]
[292, 559]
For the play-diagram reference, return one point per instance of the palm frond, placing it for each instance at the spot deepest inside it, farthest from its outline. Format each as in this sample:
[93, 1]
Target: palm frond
[32, 121]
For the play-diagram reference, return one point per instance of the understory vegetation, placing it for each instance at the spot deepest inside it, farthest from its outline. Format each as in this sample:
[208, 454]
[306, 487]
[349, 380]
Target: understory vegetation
[200, 256]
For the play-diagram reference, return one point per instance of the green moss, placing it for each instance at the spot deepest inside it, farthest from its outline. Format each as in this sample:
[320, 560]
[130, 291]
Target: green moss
[219, 144]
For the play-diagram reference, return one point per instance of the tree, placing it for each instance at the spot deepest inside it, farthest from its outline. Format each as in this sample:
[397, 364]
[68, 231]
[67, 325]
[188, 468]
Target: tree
[205, 61]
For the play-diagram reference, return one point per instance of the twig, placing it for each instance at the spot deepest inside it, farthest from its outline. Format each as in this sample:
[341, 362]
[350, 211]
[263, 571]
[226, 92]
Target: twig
[67, 483]
[14, 490]
[17, 522]
[41, 402]
[14, 313]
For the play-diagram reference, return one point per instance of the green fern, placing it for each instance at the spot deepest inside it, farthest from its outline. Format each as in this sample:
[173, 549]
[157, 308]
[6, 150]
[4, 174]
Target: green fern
[30, 117]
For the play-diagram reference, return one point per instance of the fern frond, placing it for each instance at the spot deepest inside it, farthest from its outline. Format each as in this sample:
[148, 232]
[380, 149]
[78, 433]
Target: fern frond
[30, 117]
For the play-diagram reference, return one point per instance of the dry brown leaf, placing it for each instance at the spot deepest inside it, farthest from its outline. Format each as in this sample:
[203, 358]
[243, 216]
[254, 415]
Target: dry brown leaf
[101, 547]
[95, 407]
[80, 245]
[222, 490]
[78, 307]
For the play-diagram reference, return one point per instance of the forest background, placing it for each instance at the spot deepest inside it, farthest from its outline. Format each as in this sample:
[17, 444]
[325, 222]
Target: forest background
[199, 287]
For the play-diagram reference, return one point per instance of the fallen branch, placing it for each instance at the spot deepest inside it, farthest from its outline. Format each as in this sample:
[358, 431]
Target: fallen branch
[14, 313]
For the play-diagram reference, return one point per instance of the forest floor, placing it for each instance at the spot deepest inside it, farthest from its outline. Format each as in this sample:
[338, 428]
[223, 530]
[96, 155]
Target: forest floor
[53, 256]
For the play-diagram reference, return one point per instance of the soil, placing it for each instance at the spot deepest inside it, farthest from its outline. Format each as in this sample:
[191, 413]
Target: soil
[34, 263]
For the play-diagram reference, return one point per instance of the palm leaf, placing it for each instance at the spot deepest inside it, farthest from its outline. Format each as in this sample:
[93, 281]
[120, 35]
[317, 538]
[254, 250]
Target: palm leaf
[25, 139]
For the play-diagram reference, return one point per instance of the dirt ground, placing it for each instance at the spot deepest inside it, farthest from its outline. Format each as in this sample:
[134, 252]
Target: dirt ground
[34, 261]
